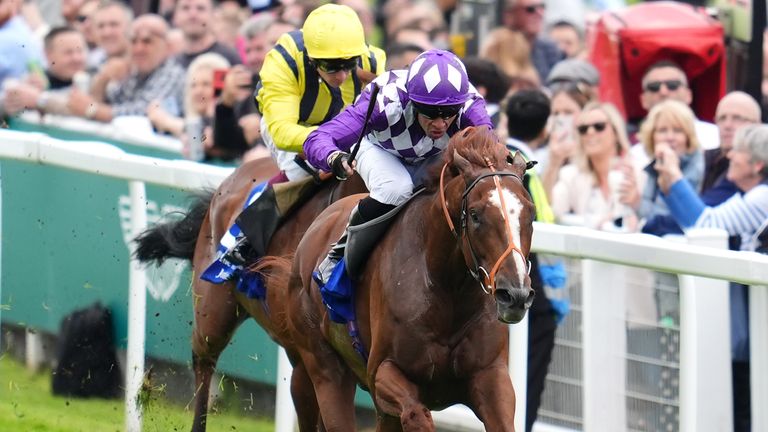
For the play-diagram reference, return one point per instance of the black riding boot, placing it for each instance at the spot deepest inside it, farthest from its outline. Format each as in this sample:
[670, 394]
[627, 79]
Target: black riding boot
[257, 224]
[336, 253]
[366, 210]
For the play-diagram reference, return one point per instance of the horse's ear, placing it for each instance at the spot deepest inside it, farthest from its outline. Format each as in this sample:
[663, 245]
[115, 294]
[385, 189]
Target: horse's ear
[519, 164]
[461, 163]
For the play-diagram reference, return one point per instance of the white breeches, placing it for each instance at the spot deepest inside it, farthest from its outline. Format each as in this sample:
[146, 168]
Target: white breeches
[388, 178]
[283, 158]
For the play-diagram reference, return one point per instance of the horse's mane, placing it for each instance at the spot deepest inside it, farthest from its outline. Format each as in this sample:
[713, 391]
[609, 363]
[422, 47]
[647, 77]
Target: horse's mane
[478, 145]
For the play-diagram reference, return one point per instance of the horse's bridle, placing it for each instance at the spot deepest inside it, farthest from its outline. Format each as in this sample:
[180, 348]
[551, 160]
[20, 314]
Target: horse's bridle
[487, 280]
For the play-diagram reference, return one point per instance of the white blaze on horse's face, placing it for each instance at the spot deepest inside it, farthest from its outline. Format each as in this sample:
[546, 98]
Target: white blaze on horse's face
[514, 212]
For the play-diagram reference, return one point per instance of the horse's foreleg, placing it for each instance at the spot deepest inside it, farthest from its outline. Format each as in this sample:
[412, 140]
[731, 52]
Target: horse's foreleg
[492, 398]
[217, 315]
[396, 396]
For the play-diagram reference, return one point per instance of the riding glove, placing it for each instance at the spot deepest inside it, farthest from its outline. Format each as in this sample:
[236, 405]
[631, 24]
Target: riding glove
[336, 162]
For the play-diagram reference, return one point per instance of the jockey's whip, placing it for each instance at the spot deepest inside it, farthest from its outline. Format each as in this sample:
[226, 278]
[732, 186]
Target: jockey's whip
[371, 104]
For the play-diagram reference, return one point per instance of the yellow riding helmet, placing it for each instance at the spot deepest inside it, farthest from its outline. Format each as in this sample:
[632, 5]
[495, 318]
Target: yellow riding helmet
[334, 31]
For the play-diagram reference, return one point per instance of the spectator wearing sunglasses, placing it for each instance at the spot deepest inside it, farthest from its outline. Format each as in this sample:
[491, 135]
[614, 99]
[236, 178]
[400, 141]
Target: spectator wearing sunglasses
[527, 17]
[666, 80]
[306, 80]
[582, 194]
[416, 112]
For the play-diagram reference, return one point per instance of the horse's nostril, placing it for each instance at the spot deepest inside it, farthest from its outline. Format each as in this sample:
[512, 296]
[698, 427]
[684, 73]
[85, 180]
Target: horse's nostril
[503, 296]
[531, 295]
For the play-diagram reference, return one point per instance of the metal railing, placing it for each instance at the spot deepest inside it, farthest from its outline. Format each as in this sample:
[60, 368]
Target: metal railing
[704, 401]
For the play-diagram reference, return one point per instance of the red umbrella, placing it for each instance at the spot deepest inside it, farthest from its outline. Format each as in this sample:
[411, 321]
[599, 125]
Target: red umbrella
[624, 44]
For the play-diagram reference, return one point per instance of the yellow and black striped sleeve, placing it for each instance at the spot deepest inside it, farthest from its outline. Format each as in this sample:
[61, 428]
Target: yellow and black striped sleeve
[279, 94]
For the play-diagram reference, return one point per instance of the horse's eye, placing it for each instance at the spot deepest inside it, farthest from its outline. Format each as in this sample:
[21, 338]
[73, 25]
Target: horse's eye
[474, 216]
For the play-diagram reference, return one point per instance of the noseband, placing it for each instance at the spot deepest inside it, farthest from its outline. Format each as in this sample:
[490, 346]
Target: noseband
[487, 280]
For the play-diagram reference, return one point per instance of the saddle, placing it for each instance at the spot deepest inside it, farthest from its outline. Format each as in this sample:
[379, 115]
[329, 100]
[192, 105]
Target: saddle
[363, 238]
[338, 293]
[266, 208]
[261, 218]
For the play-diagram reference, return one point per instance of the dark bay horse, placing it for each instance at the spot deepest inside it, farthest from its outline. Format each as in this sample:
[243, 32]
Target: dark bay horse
[432, 301]
[220, 309]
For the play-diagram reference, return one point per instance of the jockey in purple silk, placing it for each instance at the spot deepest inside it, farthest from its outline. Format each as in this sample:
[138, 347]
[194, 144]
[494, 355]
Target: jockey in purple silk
[416, 112]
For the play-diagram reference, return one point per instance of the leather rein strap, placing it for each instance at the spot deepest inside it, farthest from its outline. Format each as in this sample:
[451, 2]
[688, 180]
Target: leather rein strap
[487, 280]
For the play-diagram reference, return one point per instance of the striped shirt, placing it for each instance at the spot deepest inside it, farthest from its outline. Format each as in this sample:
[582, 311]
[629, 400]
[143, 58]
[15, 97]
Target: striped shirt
[133, 95]
[740, 215]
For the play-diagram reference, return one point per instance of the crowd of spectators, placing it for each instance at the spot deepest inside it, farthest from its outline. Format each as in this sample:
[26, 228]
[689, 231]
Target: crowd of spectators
[190, 70]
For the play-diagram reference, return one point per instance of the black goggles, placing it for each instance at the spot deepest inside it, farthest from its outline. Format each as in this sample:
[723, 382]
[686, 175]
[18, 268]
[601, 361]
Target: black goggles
[655, 86]
[433, 112]
[336, 65]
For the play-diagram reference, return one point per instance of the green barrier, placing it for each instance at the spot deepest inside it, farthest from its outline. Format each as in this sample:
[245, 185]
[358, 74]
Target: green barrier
[65, 246]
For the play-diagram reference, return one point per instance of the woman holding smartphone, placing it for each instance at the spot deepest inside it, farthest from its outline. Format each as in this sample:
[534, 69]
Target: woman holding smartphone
[567, 102]
[583, 195]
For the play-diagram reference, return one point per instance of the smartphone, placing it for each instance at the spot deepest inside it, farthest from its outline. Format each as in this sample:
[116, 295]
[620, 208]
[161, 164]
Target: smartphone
[218, 81]
[563, 125]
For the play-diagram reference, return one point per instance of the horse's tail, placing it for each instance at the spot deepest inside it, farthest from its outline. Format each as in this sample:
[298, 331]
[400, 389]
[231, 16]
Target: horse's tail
[276, 270]
[175, 239]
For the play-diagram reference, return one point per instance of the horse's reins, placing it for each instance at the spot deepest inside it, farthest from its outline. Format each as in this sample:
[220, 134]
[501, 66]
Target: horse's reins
[372, 103]
[488, 280]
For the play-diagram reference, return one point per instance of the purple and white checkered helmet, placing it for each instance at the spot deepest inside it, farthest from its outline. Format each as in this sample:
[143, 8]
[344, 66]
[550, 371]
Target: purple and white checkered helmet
[437, 77]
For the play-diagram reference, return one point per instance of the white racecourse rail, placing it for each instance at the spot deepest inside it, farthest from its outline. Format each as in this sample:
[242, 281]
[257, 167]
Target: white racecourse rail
[705, 339]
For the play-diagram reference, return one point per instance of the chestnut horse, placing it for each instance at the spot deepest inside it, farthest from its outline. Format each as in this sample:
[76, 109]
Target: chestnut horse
[220, 309]
[432, 299]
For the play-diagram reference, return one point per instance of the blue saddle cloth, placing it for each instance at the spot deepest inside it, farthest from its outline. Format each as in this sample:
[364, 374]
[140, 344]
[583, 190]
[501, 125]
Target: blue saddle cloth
[337, 294]
[222, 270]
[338, 297]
